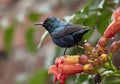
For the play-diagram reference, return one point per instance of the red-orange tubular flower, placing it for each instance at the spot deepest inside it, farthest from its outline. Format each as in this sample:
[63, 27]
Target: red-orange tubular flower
[62, 69]
[114, 27]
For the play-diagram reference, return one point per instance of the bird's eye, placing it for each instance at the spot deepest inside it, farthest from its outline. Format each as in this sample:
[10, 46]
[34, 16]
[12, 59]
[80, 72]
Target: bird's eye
[52, 21]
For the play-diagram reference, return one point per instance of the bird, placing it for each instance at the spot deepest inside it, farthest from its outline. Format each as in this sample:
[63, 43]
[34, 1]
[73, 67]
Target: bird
[64, 34]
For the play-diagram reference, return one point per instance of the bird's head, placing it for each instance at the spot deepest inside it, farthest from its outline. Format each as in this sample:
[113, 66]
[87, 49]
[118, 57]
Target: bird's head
[50, 23]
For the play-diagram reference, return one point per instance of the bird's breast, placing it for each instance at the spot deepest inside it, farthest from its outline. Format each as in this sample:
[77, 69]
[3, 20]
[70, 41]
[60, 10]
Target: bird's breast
[65, 41]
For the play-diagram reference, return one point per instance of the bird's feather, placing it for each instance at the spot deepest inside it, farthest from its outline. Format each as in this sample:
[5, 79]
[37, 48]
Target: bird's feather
[63, 33]
[71, 28]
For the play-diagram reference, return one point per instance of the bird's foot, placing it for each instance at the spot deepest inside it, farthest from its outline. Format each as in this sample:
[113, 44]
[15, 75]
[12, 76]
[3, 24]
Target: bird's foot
[64, 54]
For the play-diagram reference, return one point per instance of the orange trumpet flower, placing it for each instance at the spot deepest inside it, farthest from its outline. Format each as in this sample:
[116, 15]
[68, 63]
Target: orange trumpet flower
[64, 67]
[114, 27]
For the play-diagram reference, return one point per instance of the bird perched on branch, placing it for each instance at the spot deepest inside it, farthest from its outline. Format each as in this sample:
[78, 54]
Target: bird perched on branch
[63, 34]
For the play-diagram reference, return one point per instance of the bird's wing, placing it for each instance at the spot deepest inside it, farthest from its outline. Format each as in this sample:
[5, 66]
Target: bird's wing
[68, 30]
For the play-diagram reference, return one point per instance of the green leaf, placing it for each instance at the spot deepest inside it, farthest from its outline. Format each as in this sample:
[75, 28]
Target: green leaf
[8, 37]
[30, 41]
[81, 78]
[88, 34]
[96, 4]
[91, 19]
[110, 4]
[101, 4]
[86, 9]
[103, 21]
[79, 18]
[38, 77]
[112, 79]
[90, 80]
[34, 16]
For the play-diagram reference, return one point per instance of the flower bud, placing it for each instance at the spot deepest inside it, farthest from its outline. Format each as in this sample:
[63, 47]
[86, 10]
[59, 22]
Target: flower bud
[94, 53]
[88, 46]
[116, 14]
[89, 69]
[114, 26]
[112, 29]
[71, 59]
[101, 50]
[94, 62]
[88, 52]
[119, 42]
[103, 58]
[103, 41]
[83, 59]
[114, 47]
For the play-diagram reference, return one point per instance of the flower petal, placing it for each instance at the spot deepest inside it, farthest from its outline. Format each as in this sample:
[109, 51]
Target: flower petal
[53, 69]
[59, 60]
[62, 78]
[70, 69]
[55, 79]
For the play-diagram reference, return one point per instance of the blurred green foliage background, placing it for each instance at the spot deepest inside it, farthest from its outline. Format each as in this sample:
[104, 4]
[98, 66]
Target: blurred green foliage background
[94, 13]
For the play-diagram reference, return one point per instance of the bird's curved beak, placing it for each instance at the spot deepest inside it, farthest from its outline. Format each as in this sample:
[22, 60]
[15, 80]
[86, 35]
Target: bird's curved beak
[39, 23]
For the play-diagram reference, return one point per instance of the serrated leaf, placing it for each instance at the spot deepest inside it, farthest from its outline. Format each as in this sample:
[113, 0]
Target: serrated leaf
[34, 16]
[30, 41]
[38, 77]
[8, 37]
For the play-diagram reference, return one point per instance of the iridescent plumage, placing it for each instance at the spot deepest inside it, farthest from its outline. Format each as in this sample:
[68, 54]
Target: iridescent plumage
[63, 33]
